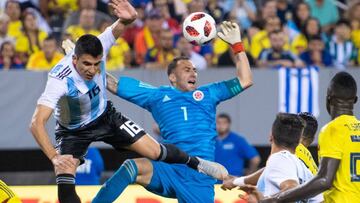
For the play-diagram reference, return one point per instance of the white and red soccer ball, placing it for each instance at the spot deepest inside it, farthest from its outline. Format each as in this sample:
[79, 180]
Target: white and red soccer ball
[199, 28]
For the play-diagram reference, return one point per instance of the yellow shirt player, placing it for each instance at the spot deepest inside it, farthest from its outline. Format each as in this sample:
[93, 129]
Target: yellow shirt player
[340, 139]
[7, 195]
[339, 150]
[306, 139]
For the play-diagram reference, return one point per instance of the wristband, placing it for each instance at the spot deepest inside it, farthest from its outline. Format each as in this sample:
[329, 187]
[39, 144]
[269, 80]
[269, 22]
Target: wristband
[238, 47]
[239, 181]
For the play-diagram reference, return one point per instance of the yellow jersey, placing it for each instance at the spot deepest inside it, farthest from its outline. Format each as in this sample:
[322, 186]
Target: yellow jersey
[76, 31]
[305, 156]
[23, 43]
[115, 59]
[340, 139]
[38, 61]
[6, 195]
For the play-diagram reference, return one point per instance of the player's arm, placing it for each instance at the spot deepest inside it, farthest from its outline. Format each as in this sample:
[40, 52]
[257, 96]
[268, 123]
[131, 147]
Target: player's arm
[318, 184]
[38, 129]
[126, 14]
[231, 181]
[111, 83]
[230, 33]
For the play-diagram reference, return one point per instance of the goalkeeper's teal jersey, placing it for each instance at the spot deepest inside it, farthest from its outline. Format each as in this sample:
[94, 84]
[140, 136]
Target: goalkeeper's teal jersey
[186, 119]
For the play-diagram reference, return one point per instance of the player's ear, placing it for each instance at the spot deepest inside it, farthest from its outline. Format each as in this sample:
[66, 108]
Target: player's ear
[74, 58]
[172, 78]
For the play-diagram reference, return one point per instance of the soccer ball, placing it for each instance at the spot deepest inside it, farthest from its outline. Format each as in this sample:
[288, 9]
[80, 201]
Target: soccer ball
[199, 28]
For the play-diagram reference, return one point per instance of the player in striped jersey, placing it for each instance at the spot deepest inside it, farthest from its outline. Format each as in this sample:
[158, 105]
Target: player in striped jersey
[186, 115]
[7, 195]
[339, 147]
[76, 90]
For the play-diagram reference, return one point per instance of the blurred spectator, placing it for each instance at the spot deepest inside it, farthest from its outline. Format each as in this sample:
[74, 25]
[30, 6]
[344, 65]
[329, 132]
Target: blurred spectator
[149, 35]
[310, 28]
[171, 23]
[300, 14]
[341, 48]
[316, 55]
[4, 24]
[12, 9]
[161, 55]
[276, 55]
[215, 11]
[196, 6]
[119, 55]
[283, 10]
[232, 150]
[261, 39]
[354, 17]
[90, 172]
[86, 25]
[269, 10]
[47, 58]
[245, 12]
[32, 37]
[8, 58]
[74, 18]
[186, 49]
[325, 11]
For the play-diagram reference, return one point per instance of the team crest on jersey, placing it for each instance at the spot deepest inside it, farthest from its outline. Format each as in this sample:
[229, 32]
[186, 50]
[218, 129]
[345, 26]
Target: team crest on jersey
[198, 95]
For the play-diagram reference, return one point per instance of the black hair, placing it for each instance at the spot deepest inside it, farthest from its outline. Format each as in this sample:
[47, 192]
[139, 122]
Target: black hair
[275, 32]
[297, 20]
[173, 63]
[311, 126]
[88, 44]
[343, 22]
[303, 28]
[343, 86]
[287, 130]
[225, 116]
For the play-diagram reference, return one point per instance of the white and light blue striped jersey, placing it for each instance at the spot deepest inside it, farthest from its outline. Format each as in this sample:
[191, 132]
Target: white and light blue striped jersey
[283, 166]
[76, 101]
[342, 53]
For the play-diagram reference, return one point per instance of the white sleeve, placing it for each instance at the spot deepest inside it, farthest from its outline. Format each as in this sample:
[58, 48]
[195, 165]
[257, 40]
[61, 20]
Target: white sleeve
[107, 39]
[54, 90]
[281, 168]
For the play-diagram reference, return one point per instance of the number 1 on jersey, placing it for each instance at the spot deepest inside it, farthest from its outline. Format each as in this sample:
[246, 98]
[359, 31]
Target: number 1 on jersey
[185, 112]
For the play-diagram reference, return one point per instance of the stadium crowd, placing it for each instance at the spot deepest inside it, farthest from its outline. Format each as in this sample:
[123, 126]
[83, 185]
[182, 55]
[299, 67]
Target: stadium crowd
[324, 33]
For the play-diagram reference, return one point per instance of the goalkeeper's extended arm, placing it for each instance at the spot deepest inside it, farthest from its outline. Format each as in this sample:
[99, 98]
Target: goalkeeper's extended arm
[230, 33]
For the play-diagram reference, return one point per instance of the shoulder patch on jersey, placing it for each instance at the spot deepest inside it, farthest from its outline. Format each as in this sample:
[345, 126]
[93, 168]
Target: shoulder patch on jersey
[59, 72]
[198, 95]
[166, 98]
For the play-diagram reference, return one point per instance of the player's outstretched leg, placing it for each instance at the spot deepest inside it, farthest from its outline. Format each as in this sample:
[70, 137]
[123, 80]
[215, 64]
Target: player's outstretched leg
[113, 187]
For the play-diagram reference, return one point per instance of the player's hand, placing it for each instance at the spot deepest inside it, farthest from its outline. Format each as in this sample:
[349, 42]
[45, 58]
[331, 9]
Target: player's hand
[230, 32]
[68, 46]
[124, 11]
[228, 183]
[251, 195]
[64, 163]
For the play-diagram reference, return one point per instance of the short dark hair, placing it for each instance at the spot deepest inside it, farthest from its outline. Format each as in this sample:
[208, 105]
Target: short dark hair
[343, 86]
[225, 116]
[287, 130]
[311, 126]
[88, 44]
[173, 63]
[343, 22]
[274, 32]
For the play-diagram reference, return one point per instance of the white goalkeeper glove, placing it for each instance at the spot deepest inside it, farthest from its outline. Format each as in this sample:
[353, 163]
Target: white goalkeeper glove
[230, 32]
[68, 46]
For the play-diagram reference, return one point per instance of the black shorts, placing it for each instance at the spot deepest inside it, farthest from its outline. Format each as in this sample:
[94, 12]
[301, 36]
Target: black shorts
[110, 127]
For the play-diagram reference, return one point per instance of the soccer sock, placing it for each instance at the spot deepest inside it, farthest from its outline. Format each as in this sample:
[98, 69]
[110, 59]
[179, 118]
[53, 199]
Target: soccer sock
[171, 154]
[113, 187]
[66, 189]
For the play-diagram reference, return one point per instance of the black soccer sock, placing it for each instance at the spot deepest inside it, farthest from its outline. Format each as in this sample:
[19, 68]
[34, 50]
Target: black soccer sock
[66, 189]
[171, 154]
